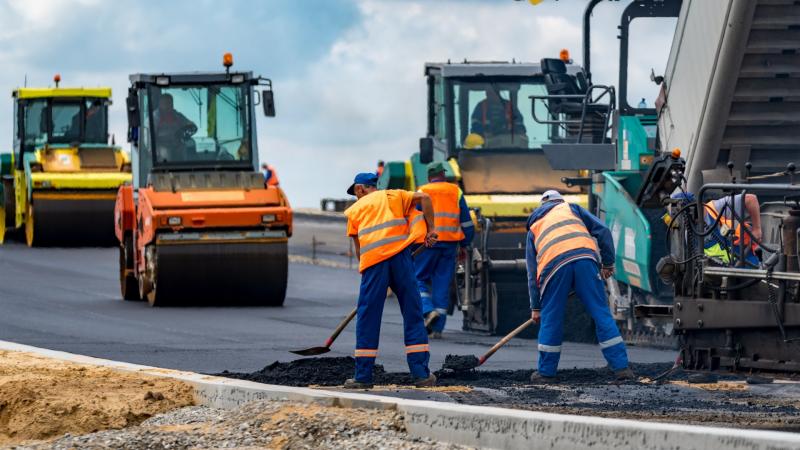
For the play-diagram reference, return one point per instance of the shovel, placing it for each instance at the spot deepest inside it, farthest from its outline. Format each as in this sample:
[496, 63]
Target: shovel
[313, 351]
[462, 363]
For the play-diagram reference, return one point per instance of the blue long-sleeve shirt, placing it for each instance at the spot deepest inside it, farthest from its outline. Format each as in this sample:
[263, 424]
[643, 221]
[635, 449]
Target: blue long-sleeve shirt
[594, 226]
[466, 222]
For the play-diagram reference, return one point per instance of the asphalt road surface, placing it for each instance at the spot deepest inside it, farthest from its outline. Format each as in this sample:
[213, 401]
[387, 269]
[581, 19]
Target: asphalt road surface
[68, 299]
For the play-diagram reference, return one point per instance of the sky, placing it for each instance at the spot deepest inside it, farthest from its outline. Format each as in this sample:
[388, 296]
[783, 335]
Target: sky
[347, 74]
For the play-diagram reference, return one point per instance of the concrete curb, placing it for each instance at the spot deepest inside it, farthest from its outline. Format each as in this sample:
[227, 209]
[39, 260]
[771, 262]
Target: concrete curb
[476, 426]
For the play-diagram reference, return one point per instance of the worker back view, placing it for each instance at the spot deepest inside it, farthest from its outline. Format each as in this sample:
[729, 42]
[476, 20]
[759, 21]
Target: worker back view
[382, 225]
[436, 266]
[564, 249]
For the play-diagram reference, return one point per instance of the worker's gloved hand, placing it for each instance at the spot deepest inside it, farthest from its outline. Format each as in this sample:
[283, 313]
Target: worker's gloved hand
[606, 272]
[431, 238]
[536, 316]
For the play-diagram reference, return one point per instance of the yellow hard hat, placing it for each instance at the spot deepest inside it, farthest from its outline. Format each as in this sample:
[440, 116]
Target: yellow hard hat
[473, 140]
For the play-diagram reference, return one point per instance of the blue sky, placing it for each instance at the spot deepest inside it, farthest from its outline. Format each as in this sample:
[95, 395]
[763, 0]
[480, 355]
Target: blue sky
[347, 73]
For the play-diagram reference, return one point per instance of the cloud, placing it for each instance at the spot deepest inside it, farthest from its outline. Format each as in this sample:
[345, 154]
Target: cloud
[348, 74]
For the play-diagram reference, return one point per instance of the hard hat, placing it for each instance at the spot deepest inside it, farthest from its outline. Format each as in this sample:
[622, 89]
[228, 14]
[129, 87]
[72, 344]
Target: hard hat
[473, 140]
[551, 195]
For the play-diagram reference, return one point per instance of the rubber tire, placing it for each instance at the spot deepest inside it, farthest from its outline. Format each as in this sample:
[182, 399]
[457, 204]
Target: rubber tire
[129, 285]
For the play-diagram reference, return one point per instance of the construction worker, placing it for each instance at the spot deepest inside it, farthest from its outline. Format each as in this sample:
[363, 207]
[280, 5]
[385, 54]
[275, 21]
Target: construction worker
[379, 170]
[498, 121]
[723, 243]
[562, 255]
[270, 175]
[382, 225]
[435, 267]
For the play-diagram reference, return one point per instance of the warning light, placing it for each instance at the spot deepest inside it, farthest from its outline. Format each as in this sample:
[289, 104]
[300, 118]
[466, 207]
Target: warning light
[564, 56]
[676, 153]
[227, 60]
[57, 79]
[535, 2]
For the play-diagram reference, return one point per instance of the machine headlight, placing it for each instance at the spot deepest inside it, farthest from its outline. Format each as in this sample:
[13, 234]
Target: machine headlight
[162, 81]
[267, 218]
[237, 78]
[174, 221]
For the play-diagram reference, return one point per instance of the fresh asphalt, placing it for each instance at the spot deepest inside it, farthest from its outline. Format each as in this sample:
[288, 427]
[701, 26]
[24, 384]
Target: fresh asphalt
[68, 299]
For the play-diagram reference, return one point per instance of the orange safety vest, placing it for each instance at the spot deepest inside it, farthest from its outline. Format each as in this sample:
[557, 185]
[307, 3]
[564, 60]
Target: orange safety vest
[273, 176]
[559, 231]
[384, 226]
[447, 212]
[726, 224]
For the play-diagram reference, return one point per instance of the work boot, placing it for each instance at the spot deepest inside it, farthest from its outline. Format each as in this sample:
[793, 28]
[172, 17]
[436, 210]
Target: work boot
[435, 335]
[625, 374]
[425, 382]
[430, 318]
[538, 378]
[351, 383]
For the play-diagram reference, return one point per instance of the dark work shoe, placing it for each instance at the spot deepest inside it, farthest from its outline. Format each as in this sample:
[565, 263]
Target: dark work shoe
[435, 335]
[425, 382]
[430, 318]
[351, 383]
[538, 378]
[625, 374]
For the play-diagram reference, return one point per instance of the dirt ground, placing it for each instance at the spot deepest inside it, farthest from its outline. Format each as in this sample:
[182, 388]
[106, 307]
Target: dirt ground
[42, 398]
[727, 400]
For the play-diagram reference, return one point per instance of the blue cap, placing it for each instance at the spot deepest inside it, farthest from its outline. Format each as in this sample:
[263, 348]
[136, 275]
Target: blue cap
[365, 178]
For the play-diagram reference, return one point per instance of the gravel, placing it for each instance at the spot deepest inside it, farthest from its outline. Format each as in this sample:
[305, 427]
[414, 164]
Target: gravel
[262, 424]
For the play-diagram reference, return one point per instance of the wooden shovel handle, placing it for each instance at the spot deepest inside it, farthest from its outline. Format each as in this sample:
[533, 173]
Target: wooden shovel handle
[505, 340]
[341, 327]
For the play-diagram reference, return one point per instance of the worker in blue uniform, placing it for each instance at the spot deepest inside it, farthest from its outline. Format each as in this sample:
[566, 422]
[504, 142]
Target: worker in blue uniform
[568, 248]
[383, 224]
[435, 267]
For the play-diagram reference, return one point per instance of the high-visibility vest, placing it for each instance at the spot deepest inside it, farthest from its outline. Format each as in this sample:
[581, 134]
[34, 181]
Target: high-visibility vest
[447, 211]
[273, 176]
[726, 224]
[384, 226]
[559, 231]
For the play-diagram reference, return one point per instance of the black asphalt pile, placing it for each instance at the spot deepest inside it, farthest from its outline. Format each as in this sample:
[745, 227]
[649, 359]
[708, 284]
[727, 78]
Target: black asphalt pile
[335, 370]
[721, 400]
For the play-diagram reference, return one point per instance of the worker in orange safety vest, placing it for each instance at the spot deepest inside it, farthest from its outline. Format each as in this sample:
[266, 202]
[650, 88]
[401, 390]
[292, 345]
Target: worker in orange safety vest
[382, 225]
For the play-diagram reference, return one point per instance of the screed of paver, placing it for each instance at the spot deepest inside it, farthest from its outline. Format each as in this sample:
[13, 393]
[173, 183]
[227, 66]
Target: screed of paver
[42, 398]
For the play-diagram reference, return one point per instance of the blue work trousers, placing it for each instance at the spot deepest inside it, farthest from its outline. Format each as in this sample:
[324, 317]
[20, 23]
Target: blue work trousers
[435, 268]
[582, 276]
[396, 272]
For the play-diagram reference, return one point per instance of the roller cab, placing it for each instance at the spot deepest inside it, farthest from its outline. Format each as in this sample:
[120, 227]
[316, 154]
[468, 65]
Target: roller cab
[59, 184]
[199, 224]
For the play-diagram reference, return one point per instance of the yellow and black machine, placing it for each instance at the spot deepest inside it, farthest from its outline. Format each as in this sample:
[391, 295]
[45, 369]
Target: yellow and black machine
[60, 183]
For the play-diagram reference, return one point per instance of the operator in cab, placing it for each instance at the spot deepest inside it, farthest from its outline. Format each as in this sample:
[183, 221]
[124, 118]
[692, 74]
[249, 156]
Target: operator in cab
[383, 224]
[94, 130]
[569, 249]
[174, 131]
[436, 266]
[498, 122]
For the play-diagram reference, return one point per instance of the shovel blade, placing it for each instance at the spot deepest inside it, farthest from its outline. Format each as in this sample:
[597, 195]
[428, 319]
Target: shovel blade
[311, 351]
[461, 363]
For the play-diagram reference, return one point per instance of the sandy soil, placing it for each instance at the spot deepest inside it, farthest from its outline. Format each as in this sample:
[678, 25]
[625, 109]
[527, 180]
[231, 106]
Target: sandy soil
[42, 398]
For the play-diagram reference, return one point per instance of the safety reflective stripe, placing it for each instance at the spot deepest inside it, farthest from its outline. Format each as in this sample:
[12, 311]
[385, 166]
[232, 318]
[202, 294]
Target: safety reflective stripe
[383, 242]
[541, 252]
[549, 348]
[416, 219]
[447, 214]
[425, 294]
[467, 224]
[611, 342]
[366, 353]
[556, 226]
[418, 348]
[454, 229]
[441, 311]
[389, 224]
